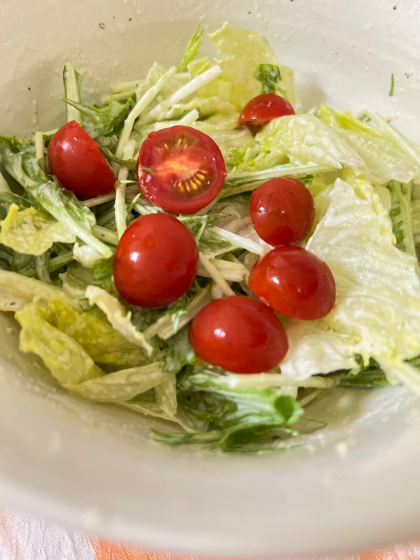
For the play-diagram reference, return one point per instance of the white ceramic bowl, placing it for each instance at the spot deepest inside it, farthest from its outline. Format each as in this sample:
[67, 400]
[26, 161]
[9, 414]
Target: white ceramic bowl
[353, 485]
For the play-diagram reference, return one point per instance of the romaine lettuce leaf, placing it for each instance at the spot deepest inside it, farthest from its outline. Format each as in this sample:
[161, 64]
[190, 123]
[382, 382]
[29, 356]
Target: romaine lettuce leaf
[17, 290]
[23, 166]
[32, 232]
[384, 159]
[47, 332]
[377, 312]
[122, 385]
[307, 140]
[67, 360]
[105, 345]
[245, 51]
[118, 316]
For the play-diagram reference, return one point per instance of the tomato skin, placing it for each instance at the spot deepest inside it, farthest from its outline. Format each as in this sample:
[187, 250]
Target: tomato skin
[294, 282]
[76, 161]
[263, 109]
[239, 334]
[156, 261]
[188, 169]
[282, 211]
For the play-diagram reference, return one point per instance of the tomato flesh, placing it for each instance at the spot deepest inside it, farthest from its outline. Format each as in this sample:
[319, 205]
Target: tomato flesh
[180, 169]
[239, 334]
[156, 261]
[76, 161]
[294, 282]
[263, 109]
[282, 211]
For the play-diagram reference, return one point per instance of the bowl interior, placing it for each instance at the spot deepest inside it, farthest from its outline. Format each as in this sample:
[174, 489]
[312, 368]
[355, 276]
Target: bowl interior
[93, 466]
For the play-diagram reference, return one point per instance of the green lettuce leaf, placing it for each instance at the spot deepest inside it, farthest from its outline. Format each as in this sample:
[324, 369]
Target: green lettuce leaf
[32, 232]
[307, 140]
[377, 311]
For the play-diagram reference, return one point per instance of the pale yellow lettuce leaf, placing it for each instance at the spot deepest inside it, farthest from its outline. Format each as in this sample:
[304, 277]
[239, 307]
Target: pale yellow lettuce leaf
[95, 334]
[67, 360]
[123, 385]
[32, 232]
[243, 51]
[377, 312]
[118, 316]
[307, 140]
[17, 290]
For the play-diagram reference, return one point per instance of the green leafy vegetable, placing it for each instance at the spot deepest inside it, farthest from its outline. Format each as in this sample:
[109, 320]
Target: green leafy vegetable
[100, 121]
[118, 316]
[103, 272]
[239, 416]
[391, 89]
[401, 217]
[269, 76]
[23, 166]
[191, 50]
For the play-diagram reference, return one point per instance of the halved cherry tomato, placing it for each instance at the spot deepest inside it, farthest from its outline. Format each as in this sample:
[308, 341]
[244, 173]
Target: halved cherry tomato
[156, 261]
[282, 211]
[239, 334]
[294, 282]
[78, 164]
[180, 169]
[263, 109]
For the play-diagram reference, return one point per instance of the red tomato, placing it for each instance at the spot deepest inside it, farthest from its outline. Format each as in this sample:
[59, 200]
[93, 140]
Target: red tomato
[263, 109]
[239, 334]
[294, 282]
[187, 166]
[282, 211]
[156, 261]
[78, 164]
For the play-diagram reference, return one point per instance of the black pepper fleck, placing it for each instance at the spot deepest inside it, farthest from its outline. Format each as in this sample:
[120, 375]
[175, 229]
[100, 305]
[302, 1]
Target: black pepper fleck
[249, 12]
[394, 8]
[129, 19]
[29, 88]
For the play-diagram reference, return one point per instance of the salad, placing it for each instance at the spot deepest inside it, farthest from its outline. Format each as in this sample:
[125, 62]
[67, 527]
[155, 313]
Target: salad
[197, 250]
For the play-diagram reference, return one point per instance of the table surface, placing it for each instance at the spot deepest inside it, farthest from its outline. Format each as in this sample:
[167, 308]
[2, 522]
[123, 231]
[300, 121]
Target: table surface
[24, 537]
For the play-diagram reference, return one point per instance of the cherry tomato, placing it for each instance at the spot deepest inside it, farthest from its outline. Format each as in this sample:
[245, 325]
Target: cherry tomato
[263, 109]
[282, 211]
[239, 334]
[156, 261]
[78, 164]
[180, 169]
[294, 282]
